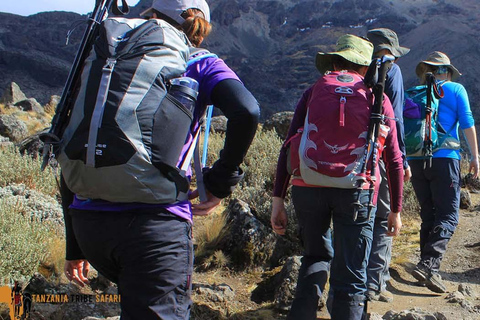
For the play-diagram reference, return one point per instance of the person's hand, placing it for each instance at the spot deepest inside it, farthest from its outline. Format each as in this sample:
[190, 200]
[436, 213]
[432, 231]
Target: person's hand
[279, 217]
[77, 271]
[474, 167]
[394, 224]
[407, 174]
[206, 207]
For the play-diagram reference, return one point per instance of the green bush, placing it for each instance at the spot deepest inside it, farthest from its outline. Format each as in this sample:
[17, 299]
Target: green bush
[24, 242]
[259, 167]
[15, 168]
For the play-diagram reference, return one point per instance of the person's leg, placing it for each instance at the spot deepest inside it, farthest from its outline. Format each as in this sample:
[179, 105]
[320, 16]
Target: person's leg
[445, 188]
[379, 262]
[421, 185]
[380, 255]
[352, 244]
[148, 254]
[314, 219]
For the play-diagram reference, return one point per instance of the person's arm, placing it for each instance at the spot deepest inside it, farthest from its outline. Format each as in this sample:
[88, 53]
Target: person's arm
[279, 218]
[394, 167]
[76, 266]
[242, 112]
[467, 123]
[471, 136]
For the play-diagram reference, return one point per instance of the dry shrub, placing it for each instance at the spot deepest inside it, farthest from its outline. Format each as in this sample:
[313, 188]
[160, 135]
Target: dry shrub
[24, 242]
[208, 232]
[15, 168]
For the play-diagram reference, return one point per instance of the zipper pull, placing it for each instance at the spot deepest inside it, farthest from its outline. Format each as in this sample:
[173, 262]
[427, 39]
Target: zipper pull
[343, 101]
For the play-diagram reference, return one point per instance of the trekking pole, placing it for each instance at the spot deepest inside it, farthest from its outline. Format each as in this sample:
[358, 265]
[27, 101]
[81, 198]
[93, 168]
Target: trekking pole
[427, 140]
[207, 132]
[53, 137]
[377, 117]
[381, 66]
[433, 89]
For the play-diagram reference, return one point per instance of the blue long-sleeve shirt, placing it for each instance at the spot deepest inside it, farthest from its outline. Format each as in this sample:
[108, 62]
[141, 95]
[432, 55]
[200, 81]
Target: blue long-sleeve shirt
[454, 112]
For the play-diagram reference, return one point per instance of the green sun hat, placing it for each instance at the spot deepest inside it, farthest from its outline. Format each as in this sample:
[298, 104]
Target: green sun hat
[352, 48]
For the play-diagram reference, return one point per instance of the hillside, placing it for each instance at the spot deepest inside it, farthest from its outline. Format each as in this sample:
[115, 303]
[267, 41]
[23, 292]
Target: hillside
[270, 44]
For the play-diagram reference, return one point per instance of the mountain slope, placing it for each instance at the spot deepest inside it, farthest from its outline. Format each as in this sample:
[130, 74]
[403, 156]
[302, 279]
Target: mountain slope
[270, 44]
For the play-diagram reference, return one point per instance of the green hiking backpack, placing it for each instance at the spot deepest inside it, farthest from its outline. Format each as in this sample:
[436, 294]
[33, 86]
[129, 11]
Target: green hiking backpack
[423, 133]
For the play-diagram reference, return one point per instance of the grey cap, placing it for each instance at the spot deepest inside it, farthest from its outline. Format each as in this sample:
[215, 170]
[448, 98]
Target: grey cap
[175, 8]
[383, 38]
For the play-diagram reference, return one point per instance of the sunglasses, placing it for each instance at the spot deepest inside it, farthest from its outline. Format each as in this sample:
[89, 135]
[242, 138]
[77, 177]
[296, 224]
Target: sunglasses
[442, 70]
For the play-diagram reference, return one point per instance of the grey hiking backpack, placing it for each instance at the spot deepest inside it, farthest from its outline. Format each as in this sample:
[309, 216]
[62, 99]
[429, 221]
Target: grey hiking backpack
[126, 133]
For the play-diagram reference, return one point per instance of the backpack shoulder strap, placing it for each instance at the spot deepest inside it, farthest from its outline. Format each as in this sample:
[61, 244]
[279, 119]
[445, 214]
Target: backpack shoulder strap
[197, 54]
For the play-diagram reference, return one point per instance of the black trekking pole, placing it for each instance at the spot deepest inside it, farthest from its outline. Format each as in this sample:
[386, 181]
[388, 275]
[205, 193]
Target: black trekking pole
[53, 137]
[427, 139]
[433, 89]
[381, 67]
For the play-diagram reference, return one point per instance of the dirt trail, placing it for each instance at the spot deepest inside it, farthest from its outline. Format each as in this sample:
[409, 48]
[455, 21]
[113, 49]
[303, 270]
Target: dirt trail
[461, 265]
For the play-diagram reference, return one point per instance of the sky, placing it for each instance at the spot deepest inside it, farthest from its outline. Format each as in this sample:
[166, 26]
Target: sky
[28, 7]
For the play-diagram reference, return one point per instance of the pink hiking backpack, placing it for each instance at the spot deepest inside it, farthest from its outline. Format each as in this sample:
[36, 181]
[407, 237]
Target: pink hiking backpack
[332, 147]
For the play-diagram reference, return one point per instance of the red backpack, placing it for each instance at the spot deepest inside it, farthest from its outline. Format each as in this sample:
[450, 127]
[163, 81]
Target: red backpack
[330, 149]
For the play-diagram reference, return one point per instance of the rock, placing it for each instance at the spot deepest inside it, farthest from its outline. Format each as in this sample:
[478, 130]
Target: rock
[12, 128]
[280, 122]
[287, 279]
[214, 293]
[465, 200]
[415, 313]
[31, 145]
[455, 297]
[249, 242]
[218, 124]
[467, 290]
[30, 104]
[375, 316]
[472, 184]
[12, 95]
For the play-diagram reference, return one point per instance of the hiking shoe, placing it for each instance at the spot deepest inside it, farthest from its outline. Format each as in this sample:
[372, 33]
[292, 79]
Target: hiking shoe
[435, 283]
[382, 296]
[420, 273]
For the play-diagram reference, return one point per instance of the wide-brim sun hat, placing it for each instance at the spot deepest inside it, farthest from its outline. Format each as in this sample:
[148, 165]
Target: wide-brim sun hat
[437, 58]
[383, 38]
[175, 8]
[350, 47]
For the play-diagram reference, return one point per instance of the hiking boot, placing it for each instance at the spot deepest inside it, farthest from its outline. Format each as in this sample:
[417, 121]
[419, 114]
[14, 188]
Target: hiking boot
[382, 296]
[435, 283]
[420, 273]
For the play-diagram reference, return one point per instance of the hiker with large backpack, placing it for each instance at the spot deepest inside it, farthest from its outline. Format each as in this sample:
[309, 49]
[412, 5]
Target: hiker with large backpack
[137, 231]
[436, 163]
[386, 42]
[330, 154]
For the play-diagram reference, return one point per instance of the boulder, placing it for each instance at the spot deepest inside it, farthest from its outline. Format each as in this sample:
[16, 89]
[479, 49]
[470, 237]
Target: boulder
[31, 145]
[218, 124]
[30, 105]
[12, 128]
[280, 122]
[287, 283]
[12, 95]
[248, 242]
[465, 200]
